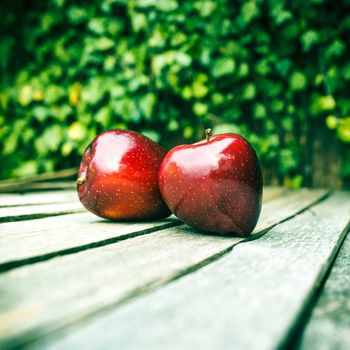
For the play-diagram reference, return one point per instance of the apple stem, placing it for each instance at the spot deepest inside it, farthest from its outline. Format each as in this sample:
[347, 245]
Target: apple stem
[81, 180]
[207, 134]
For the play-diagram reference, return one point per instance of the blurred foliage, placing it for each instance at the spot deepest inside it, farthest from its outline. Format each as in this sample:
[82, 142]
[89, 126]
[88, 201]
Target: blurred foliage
[268, 69]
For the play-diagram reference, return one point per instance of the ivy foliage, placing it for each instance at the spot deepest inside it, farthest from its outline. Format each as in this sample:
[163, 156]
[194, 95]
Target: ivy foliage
[268, 69]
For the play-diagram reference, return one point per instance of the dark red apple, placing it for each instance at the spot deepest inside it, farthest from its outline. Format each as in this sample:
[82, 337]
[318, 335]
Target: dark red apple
[118, 177]
[214, 185]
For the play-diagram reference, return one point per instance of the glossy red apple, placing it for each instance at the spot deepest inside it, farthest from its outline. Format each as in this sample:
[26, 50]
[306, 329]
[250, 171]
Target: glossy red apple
[118, 177]
[214, 185]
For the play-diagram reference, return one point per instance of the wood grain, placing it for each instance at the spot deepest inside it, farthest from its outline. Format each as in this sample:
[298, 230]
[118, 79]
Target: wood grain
[43, 239]
[38, 186]
[29, 243]
[9, 214]
[48, 197]
[329, 325]
[272, 192]
[22, 184]
[38, 198]
[92, 280]
[251, 298]
[21, 245]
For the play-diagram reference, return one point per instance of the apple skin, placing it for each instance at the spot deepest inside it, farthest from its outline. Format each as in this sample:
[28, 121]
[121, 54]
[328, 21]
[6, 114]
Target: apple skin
[118, 177]
[214, 185]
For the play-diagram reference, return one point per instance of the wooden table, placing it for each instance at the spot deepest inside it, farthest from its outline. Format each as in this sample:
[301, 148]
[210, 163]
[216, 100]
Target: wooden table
[70, 280]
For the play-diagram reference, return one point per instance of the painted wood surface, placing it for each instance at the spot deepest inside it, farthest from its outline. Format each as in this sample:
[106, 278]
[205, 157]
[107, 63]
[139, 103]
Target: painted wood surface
[22, 244]
[251, 298]
[329, 325]
[92, 280]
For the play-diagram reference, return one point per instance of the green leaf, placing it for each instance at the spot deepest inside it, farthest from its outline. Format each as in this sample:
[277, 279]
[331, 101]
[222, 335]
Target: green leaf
[200, 109]
[25, 95]
[77, 15]
[259, 111]
[223, 66]
[226, 128]
[218, 99]
[283, 66]
[331, 121]
[103, 43]
[173, 125]
[77, 131]
[146, 104]
[49, 140]
[188, 132]
[243, 70]
[205, 8]
[288, 161]
[145, 3]
[281, 15]
[178, 39]
[277, 106]
[346, 72]
[309, 39]
[249, 11]
[297, 81]
[151, 134]
[343, 131]
[183, 59]
[103, 116]
[166, 5]
[186, 93]
[27, 168]
[199, 88]
[97, 25]
[263, 67]
[40, 113]
[326, 103]
[139, 21]
[336, 49]
[249, 91]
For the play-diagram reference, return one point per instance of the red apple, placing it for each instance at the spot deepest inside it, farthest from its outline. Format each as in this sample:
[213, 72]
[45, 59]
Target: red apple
[214, 185]
[118, 177]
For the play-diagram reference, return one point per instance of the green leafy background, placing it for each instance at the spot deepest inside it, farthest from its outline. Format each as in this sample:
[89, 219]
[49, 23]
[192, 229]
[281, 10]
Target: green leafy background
[272, 70]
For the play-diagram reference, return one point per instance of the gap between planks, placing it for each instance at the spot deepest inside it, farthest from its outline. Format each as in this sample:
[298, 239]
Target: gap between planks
[252, 305]
[85, 231]
[327, 324]
[55, 197]
[24, 245]
[162, 257]
[11, 214]
[143, 229]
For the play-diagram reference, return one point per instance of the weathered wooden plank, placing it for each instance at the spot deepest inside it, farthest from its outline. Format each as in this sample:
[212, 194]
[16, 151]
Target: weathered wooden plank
[272, 192]
[77, 232]
[43, 239]
[284, 207]
[9, 214]
[106, 276]
[21, 245]
[38, 186]
[329, 325]
[38, 198]
[48, 197]
[251, 298]
[53, 175]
